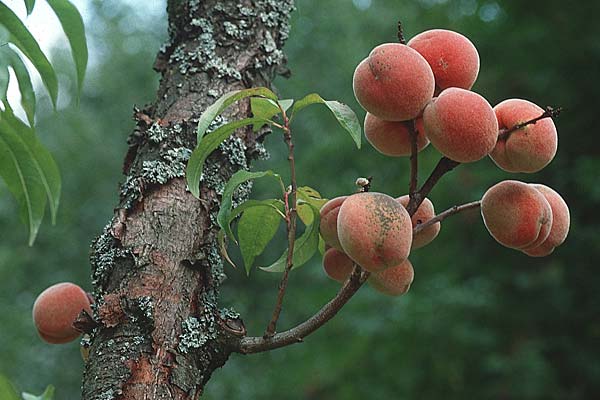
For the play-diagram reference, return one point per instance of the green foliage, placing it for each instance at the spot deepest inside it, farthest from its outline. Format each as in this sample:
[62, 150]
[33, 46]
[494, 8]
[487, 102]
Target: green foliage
[24, 79]
[7, 390]
[47, 395]
[265, 108]
[29, 4]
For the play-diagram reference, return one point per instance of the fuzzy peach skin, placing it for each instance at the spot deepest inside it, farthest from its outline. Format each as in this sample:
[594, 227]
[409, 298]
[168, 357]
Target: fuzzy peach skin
[55, 310]
[329, 217]
[393, 281]
[461, 125]
[516, 214]
[374, 230]
[337, 265]
[453, 58]
[392, 138]
[561, 221]
[423, 214]
[393, 83]
[530, 148]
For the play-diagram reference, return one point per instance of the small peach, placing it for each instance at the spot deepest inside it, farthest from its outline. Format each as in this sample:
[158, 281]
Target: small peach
[329, 217]
[393, 281]
[461, 125]
[394, 82]
[374, 230]
[392, 138]
[516, 214]
[423, 214]
[337, 265]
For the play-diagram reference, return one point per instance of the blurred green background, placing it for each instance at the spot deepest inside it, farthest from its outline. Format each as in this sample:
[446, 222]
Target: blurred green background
[480, 321]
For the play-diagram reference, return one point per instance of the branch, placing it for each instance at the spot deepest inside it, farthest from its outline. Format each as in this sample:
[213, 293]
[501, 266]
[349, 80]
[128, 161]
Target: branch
[290, 213]
[414, 162]
[443, 166]
[549, 112]
[401, 38]
[297, 334]
[442, 216]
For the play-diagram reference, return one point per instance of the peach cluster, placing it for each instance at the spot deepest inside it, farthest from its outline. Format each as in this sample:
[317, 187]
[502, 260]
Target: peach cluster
[55, 310]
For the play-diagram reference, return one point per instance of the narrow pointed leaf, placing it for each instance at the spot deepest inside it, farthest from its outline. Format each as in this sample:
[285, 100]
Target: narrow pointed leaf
[266, 108]
[225, 101]
[48, 171]
[304, 248]
[47, 395]
[24, 80]
[344, 114]
[29, 4]
[257, 227]
[206, 146]
[72, 25]
[310, 195]
[226, 201]
[20, 173]
[22, 38]
[223, 248]
[4, 81]
[7, 391]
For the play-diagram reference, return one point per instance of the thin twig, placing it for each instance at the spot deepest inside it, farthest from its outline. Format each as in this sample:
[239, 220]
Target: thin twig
[442, 216]
[291, 227]
[248, 345]
[401, 38]
[443, 166]
[414, 162]
[549, 112]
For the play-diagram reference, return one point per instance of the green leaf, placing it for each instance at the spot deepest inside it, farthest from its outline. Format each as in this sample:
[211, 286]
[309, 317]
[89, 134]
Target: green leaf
[310, 195]
[4, 81]
[7, 391]
[48, 171]
[344, 114]
[225, 101]
[266, 108]
[304, 247]
[47, 395]
[206, 146]
[223, 248]
[29, 4]
[321, 245]
[24, 80]
[23, 39]
[223, 217]
[72, 25]
[256, 228]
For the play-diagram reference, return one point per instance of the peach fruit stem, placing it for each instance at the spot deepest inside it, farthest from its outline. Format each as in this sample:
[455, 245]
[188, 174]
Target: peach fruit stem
[549, 112]
[442, 216]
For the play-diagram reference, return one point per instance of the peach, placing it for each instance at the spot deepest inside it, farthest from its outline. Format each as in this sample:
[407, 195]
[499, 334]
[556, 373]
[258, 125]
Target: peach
[394, 82]
[453, 58]
[461, 125]
[516, 214]
[337, 265]
[329, 217]
[374, 230]
[530, 148]
[392, 138]
[393, 281]
[423, 214]
[55, 310]
[560, 223]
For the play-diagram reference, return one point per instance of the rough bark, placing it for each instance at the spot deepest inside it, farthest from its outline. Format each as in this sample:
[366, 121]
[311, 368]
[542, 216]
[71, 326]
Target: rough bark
[156, 268]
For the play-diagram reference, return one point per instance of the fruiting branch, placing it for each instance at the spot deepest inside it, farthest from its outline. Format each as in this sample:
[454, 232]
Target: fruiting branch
[248, 345]
[443, 166]
[442, 216]
[414, 163]
[290, 217]
[401, 38]
[549, 112]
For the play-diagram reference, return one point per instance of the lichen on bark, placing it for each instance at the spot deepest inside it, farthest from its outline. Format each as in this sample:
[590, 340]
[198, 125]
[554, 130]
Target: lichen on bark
[156, 267]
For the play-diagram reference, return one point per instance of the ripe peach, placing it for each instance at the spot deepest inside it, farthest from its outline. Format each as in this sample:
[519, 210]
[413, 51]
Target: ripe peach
[560, 223]
[423, 214]
[393, 281]
[461, 125]
[392, 138]
[374, 230]
[337, 265]
[55, 310]
[453, 58]
[329, 217]
[394, 82]
[516, 214]
[530, 148]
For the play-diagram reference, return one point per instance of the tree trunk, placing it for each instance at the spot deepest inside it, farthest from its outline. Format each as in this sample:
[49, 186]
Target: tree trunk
[156, 269]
